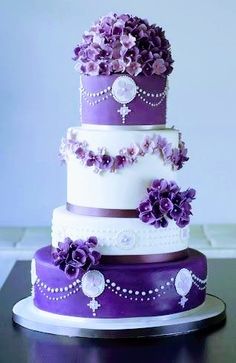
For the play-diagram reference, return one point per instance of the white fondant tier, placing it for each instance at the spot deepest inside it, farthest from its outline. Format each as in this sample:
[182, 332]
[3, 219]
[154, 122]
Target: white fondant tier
[119, 236]
[125, 188]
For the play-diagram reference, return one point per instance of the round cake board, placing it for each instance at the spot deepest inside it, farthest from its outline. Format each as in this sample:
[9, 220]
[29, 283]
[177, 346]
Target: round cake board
[208, 315]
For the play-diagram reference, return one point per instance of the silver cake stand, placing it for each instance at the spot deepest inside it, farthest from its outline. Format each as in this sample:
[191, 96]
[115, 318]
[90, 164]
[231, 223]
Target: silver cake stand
[208, 315]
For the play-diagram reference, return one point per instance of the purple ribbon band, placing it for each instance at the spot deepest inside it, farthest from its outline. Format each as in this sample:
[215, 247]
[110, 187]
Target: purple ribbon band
[102, 212]
[133, 259]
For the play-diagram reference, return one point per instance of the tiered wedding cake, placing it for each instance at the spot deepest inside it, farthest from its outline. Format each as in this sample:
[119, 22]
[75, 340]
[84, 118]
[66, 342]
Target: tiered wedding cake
[120, 244]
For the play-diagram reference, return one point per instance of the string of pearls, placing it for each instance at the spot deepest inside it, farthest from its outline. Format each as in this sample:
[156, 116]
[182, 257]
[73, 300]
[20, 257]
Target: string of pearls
[89, 96]
[62, 293]
[93, 98]
[145, 96]
[137, 295]
[201, 284]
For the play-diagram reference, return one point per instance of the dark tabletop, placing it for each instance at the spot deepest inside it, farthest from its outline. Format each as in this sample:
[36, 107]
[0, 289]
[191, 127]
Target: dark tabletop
[22, 345]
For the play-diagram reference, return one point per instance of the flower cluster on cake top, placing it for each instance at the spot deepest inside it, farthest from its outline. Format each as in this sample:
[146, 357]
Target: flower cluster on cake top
[102, 161]
[166, 201]
[72, 256]
[124, 44]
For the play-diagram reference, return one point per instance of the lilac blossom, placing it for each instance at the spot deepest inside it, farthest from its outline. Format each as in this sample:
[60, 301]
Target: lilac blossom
[165, 201]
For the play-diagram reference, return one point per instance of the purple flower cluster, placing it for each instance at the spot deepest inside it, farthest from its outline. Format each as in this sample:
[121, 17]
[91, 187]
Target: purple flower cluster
[72, 256]
[166, 201]
[101, 161]
[124, 44]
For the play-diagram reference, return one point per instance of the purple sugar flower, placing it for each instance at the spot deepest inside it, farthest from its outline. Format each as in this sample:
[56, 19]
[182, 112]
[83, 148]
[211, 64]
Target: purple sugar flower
[104, 68]
[176, 212]
[120, 161]
[147, 146]
[132, 54]
[118, 65]
[145, 206]
[179, 156]
[134, 68]
[91, 53]
[104, 162]
[79, 256]
[165, 201]
[127, 155]
[93, 68]
[147, 69]
[166, 205]
[159, 66]
[128, 41]
[118, 27]
[148, 218]
[159, 184]
[80, 152]
[183, 222]
[133, 151]
[93, 259]
[91, 158]
[88, 37]
[92, 242]
[74, 256]
[125, 38]
[72, 270]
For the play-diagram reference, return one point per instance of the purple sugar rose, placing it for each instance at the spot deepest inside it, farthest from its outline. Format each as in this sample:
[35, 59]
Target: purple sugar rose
[74, 256]
[165, 201]
[139, 47]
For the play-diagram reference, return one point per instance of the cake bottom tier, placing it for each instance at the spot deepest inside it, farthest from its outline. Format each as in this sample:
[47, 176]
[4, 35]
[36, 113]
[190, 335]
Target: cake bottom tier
[120, 291]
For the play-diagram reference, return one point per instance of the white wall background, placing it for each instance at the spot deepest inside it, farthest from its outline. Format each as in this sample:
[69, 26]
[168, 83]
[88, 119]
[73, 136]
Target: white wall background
[39, 98]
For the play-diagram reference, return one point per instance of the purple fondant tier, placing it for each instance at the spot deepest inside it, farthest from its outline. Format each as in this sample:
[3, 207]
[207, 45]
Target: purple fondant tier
[123, 100]
[118, 290]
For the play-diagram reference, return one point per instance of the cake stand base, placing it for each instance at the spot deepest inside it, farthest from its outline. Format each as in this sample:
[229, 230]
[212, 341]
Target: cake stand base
[208, 315]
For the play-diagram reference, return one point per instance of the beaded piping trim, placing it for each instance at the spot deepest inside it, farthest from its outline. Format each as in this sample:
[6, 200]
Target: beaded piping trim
[94, 283]
[124, 90]
[101, 161]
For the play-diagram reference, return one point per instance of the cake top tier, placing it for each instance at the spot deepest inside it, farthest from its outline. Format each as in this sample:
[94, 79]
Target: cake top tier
[123, 44]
